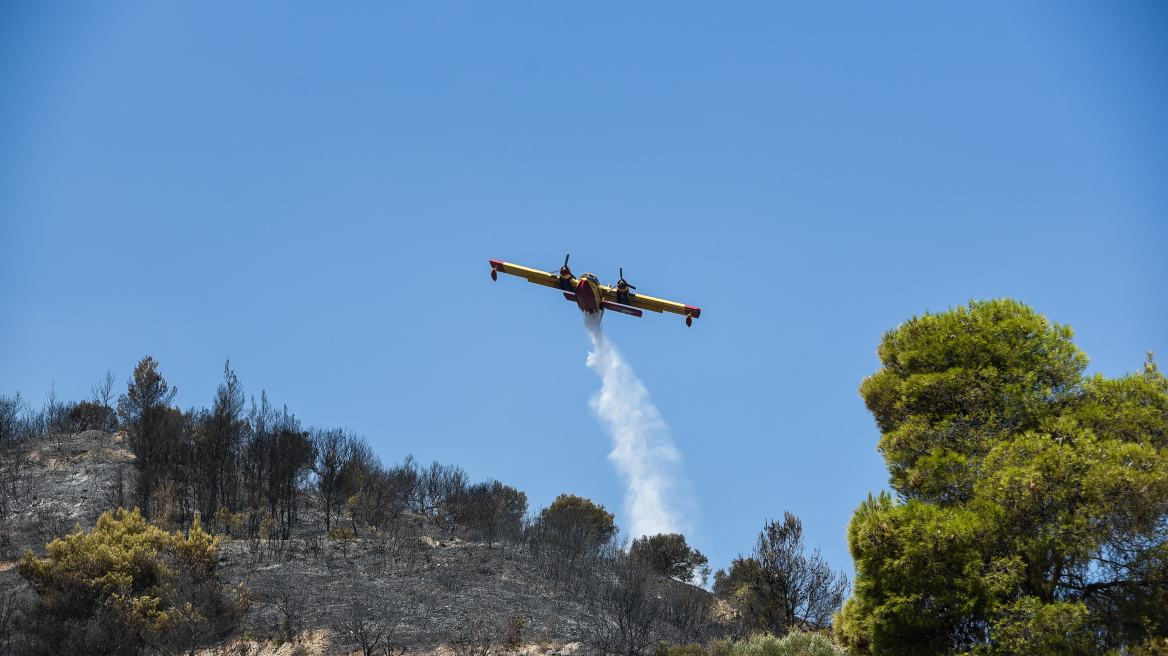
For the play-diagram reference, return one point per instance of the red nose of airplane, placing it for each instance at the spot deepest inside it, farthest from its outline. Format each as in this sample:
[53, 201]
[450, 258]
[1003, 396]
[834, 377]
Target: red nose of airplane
[587, 297]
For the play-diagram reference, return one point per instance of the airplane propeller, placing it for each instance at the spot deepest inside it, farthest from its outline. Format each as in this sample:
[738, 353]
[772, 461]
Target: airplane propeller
[564, 270]
[623, 284]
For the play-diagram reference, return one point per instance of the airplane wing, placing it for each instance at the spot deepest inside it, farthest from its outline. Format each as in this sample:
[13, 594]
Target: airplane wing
[630, 303]
[650, 303]
[532, 275]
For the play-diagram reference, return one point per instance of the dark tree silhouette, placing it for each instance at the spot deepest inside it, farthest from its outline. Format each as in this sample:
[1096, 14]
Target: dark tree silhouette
[779, 586]
[152, 429]
[218, 439]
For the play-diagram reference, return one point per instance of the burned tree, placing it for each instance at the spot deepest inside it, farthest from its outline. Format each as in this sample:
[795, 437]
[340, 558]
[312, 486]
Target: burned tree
[152, 428]
[334, 453]
[628, 606]
[440, 487]
[96, 413]
[779, 586]
[14, 450]
[292, 457]
[373, 630]
[217, 442]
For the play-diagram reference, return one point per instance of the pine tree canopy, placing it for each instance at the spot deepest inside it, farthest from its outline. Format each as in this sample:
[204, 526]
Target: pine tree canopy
[1030, 505]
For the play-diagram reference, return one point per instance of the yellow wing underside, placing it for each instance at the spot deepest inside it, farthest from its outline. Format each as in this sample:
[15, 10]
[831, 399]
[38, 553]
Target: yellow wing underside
[645, 302]
[552, 280]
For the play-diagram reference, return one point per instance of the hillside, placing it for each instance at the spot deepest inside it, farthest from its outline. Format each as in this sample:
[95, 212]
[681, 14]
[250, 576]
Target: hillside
[416, 583]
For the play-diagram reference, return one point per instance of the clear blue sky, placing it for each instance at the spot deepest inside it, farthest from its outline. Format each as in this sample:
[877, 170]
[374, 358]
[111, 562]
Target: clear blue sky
[314, 190]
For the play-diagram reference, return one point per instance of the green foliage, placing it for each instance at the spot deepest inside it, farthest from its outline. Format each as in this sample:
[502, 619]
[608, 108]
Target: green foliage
[720, 647]
[513, 633]
[230, 524]
[668, 554]
[128, 584]
[666, 649]
[115, 569]
[1031, 500]
[745, 586]
[342, 533]
[577, 519]
[795, 643]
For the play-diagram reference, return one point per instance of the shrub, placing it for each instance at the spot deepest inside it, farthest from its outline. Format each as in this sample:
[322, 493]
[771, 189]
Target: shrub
[126, 585]
[574, 519]
[721, 647]
[666, 649]
[228, 524]
[88, 415]
[342, 533]
[795, 643]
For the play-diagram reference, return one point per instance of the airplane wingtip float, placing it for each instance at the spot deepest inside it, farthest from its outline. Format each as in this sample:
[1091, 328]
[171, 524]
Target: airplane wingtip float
[591, 296]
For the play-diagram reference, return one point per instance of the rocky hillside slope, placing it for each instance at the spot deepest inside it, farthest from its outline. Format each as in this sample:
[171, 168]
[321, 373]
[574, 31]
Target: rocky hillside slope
[414, 586]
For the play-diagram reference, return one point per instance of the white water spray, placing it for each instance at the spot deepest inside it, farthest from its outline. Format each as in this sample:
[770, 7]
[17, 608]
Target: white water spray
[642, 448]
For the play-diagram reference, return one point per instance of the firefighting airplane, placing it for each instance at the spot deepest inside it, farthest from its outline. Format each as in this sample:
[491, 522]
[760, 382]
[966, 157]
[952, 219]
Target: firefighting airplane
[592, 297]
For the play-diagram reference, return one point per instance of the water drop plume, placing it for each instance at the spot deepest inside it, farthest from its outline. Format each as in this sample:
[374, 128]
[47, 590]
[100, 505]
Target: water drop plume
[642, 448]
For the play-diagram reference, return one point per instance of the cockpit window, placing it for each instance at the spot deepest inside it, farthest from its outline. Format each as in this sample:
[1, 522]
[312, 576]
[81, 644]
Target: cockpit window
[591, 278]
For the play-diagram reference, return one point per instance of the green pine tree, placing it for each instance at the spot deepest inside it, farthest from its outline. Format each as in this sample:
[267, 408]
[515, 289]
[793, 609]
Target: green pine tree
[1031, 501]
